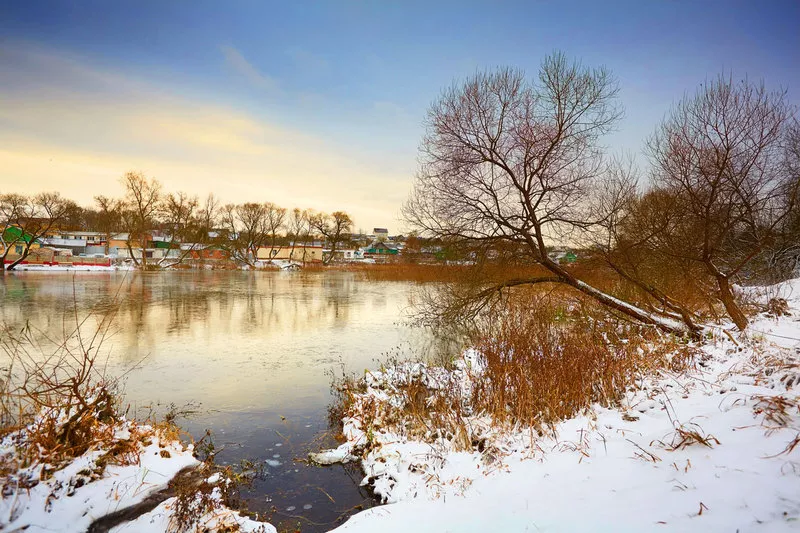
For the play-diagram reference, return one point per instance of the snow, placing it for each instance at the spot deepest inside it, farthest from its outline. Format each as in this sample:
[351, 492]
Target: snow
[158, 521]
[633, 468]
[72, 498]
[624, 469]
[71, 268]
[337, 455]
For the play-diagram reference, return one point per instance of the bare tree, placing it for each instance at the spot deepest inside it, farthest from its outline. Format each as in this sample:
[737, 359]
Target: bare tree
[720, 152]
[141, 206]
[511, 160]
[179, 218]
[333, 227]
[784, 256]
[32, 218]
[109, 217]
[11, 208]
[299, 228]
[275, 217]
[247, 229]
[208, 215]
[630, 223]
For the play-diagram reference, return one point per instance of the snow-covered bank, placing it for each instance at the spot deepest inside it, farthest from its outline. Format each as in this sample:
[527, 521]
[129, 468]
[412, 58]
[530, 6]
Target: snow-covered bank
[716, 448]
[134, 464]
[70, 268]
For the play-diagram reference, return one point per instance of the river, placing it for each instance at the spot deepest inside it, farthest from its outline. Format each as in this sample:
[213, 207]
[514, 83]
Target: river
[251, 353]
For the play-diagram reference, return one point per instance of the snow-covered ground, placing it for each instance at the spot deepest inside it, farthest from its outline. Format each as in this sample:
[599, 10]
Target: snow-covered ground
[74, 495]
[715, 449]
[70, 268]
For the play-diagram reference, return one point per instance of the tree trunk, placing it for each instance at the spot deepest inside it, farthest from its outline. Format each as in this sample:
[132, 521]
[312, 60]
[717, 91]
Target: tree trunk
[130, 251]
[728, 300]
[333, 252]
[663, 323]
[659, 296]
[25, 253]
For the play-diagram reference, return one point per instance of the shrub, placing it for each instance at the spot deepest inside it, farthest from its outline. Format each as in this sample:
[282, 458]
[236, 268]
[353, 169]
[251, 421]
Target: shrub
[545, 362]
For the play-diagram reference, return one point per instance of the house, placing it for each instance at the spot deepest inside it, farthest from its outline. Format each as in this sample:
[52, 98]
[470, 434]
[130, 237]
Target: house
[206, 253]
[14, 237]
[303, 253]
[381, 248]
[347, 255]
[563, 256]
[79, 242]
[118, 246]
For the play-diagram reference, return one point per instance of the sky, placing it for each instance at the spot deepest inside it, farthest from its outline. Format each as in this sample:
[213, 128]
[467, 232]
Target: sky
[321, 104]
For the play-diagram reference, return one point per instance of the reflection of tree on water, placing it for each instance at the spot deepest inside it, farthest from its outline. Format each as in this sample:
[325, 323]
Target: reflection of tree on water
[151, 306]
[250, 347]
[274, 318]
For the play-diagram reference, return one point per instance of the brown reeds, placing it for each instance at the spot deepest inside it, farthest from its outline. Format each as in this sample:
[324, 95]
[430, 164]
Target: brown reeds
[546, 361]
[541, 361]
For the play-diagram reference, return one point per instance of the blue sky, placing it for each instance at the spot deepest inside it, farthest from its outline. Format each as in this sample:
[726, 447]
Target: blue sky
[320, 104]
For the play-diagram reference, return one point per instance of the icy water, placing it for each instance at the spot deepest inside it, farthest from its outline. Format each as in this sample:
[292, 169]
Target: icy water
[254, 351]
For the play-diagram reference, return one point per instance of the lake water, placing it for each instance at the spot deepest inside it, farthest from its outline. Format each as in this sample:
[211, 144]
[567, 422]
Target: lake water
[255, 350]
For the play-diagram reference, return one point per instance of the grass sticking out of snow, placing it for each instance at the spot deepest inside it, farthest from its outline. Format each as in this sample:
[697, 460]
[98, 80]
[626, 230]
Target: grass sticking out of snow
[706, 446]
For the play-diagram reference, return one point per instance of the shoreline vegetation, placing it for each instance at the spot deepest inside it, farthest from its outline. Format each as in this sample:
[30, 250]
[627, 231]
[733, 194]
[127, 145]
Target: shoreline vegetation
[642, 376]
[665, 435]
[66, 438]
[554, 396]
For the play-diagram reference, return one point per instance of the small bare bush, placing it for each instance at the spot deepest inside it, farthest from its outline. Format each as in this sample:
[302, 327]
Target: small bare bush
[55, 396]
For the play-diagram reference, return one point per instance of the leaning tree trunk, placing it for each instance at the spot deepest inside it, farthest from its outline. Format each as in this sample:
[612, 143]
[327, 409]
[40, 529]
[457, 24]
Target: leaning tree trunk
[659, 296]
[729, 301]
[26, 251]
[668, 325]
[130, 251]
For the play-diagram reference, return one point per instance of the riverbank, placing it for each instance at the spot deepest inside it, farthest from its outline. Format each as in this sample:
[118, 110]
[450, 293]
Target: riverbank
[125, 480]
[713, 447]
[251, 354]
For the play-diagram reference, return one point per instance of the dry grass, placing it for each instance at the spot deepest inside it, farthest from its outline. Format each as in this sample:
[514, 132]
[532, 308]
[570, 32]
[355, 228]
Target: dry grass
[423, 407]
[546, 362]
[686, 435]
[542, 363]
[57, 404]
[55, 400]
[778, 411]
[418, 273]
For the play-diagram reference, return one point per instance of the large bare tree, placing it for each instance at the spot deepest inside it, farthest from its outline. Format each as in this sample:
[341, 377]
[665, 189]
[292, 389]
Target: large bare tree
[247, 230]
[721, 154]
[108, 217]
[179, 218]
[141, 207]
[32, 218]
[299, 230]
[507, 159]
[333, 227]
[275, 216]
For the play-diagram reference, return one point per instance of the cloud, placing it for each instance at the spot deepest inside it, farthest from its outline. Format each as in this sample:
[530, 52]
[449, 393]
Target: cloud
[60, 135]
[242, 66]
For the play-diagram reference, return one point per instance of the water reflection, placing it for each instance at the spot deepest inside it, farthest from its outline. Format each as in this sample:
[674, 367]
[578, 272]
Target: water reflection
[256, 349]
